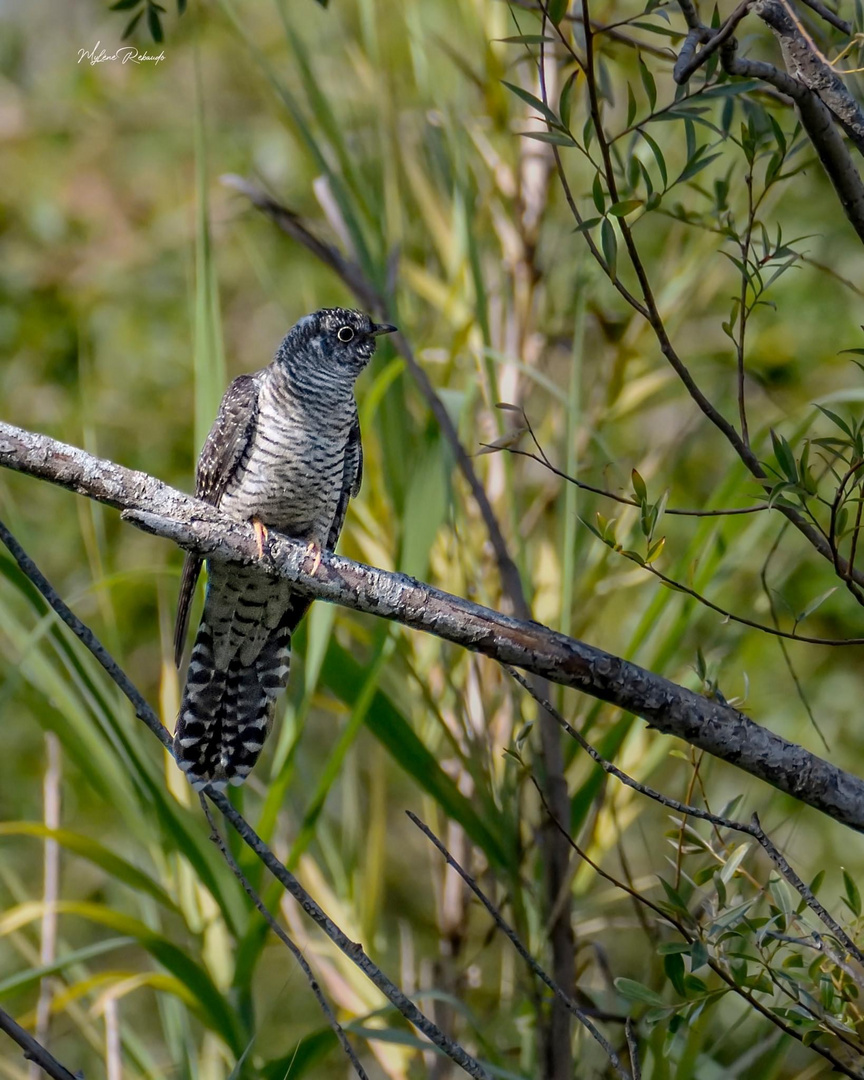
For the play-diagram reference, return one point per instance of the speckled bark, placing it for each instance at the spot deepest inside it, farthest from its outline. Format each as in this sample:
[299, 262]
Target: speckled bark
[718, 729]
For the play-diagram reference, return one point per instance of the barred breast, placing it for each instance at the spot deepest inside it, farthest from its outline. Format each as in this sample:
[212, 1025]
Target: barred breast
[291, 476]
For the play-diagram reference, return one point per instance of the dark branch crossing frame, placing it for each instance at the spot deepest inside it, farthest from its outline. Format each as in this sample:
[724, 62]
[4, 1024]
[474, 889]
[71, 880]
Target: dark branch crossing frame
[707, 724]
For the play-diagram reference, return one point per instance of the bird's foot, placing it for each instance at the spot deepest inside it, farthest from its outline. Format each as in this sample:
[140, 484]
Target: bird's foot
[313, 549]
[260, 536]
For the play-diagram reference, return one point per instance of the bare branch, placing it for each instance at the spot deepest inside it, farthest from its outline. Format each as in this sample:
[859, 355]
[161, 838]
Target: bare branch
[710, 725]
[293, 948]
[689, 936]
[752, 828]
[671, 510]
[828, 15]
[687, 62]
[511, 934]
[34, 1051]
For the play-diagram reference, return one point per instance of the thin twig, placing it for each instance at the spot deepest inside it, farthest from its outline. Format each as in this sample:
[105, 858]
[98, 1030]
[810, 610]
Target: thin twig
[688, 63]
[753, 828]
[352, 949]
[829, 16]
[633, 1049]
[511, 934]
[690, 936]
[34, 1051]
[623, 499]
[323, 1003]
[741, 619]
[50, 888]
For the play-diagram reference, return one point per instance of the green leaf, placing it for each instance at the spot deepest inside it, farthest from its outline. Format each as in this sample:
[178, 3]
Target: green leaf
[673, 965]
[130, 26]
[639, 488]
[527, 39]
[24, 980]
[658, 157]
[212, 1007]
[556, 138]
[647, 82]
[124, 5]
[631, 105]
[589, 223]
[814, 604]
[836, 419]
[730, 89]
[565, 101]
[733, 862]
[653, 28]
[333, 766]
[698, 955]
[556, 10]
[626, 206]
[598, 195]
[674, 897]
[534, 102]
[785, 457]
[609, 244]
[694, 167]
[636, 991]
[154, 24]
[853, 895]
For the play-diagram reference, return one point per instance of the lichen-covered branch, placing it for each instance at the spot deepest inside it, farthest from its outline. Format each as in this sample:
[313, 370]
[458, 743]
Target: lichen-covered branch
[710, 725]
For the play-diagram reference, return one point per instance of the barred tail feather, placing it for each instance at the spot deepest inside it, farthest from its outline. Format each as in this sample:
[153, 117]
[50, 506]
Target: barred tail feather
[225, 716]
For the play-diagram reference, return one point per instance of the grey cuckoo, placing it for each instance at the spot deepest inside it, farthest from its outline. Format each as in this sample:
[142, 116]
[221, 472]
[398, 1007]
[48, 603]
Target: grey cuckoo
[284, 451]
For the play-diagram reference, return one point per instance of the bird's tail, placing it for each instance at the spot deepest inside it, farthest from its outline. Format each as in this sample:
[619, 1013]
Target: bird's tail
[226, 715]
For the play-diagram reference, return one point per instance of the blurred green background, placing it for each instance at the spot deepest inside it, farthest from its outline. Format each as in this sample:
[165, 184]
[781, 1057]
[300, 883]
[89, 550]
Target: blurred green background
[134, 285]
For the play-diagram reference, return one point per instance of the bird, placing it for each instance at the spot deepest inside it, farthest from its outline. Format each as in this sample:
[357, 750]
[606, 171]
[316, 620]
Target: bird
[284, 453]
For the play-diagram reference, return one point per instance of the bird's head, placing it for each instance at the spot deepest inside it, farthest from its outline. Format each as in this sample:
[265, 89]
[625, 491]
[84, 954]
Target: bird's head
[337, 340]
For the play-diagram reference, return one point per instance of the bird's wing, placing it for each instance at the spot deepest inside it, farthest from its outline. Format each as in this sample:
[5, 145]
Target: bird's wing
[221, 454]
[352, 477]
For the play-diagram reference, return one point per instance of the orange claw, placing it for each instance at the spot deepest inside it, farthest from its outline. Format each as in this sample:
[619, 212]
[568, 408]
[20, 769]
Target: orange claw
[260, 535]
[314, 549]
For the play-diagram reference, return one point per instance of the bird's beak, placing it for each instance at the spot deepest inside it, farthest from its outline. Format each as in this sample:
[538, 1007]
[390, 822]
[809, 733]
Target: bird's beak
[383, 328]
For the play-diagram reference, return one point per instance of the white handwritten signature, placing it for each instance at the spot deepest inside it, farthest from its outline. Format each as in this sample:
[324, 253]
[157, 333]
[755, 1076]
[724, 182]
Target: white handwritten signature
[125, 54]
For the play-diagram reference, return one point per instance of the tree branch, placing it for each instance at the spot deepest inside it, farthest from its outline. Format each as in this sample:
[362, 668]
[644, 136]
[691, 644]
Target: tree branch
[34, 1051]
[672, 709]
[513, 937]
[293, 948]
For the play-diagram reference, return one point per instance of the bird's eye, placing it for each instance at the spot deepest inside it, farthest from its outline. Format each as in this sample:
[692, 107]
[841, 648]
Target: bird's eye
[345, 334]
